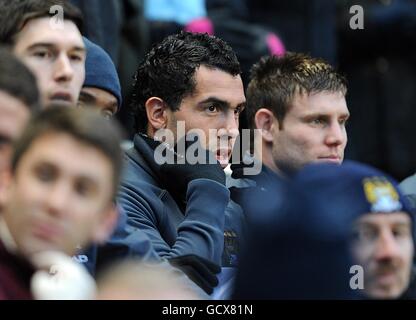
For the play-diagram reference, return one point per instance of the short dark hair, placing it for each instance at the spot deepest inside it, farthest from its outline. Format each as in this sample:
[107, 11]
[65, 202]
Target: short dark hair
[16, 13]
[85, 125]
[17, 80]
[168, 70]
[274, 82]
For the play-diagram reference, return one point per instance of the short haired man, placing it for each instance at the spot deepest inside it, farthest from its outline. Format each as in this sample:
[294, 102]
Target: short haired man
[298, 103]
[54, 203]
[51, 46]
[101, 88]
[383, 234]
[194, 80]
[19, 97]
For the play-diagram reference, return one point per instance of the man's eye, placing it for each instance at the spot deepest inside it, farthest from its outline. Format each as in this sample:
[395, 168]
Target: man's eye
[45, 174]
[42, 54]
[4, 141]
[84, 188]
[318, 121]
[81, 189]
[401, 232]
[364, 234]
[76, 57]
[212, 108]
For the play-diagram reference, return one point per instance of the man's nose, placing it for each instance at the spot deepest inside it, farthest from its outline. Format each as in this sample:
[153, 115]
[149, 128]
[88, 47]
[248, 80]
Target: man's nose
[335, 135]
[387, 247]
[231, 125]
[58, 197]
[63, 68]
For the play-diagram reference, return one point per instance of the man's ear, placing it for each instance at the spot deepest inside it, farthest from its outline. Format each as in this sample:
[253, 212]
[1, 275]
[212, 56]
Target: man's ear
[106, 224]
[156, 113]
[267, 123]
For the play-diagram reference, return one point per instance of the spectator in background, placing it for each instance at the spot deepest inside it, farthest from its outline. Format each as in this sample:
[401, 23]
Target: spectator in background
[303, 25]
[52, 48]
[170, 16]
[55, 204]
[19, 97]
[103, 23]
[101, 88]
[380, 63]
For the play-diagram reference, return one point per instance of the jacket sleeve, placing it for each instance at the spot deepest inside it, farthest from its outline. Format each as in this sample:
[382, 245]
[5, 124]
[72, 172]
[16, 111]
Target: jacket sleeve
[201, 231]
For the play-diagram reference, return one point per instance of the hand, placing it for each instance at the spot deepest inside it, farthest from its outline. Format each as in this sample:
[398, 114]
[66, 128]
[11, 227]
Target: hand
[60, 278]
[199, 270]
[178, 168]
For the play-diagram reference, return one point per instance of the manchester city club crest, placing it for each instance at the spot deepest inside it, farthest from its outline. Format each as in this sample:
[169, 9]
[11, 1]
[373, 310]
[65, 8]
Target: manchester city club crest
[381, 194]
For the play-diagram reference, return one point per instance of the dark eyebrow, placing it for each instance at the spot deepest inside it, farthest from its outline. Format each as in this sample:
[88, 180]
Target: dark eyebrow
[52, 46]
[222, 103]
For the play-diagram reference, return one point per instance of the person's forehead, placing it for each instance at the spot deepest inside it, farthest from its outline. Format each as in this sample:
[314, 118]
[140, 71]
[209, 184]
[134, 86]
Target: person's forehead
[325, 102]
[41, 30]
[220, 84]
[389, 219]
[60, 150]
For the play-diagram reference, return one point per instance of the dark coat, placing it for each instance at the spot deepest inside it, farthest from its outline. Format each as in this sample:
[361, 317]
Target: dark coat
[15, 275]
[151, 208]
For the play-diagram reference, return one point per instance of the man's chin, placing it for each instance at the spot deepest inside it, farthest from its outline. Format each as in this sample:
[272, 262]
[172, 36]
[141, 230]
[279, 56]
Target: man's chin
[329, 160]
[223, 162]
[386, 290]
[60, 103]
[224, 165]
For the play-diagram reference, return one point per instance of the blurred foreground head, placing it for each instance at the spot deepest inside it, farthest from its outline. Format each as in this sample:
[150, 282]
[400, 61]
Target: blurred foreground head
[19, 97]
[295, 250]
[383, 230]
[65, 173]
[133, 280]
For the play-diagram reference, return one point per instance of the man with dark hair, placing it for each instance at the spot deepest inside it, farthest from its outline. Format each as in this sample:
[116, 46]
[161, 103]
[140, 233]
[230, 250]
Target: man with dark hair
[299, 104]
[193, 81]
[46, 36]
[18, 98]
[54, 203]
